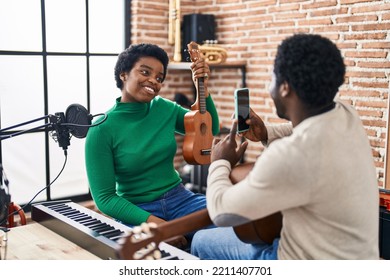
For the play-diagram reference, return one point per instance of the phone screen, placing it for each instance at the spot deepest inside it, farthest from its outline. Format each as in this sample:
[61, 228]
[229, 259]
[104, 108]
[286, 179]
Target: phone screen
[242, 108]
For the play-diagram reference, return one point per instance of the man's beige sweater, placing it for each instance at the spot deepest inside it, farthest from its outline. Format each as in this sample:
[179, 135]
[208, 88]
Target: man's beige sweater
[321, 175]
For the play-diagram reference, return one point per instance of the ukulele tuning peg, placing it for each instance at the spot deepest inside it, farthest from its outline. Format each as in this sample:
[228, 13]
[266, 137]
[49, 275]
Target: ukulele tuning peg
[137, 230]
[145, 228]
[150, 252]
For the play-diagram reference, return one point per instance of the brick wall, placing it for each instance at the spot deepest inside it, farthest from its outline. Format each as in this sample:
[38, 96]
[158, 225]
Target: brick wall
[250, 31]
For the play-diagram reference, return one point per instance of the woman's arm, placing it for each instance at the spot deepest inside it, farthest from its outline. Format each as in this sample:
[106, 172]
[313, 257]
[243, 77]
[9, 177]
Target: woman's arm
[100, 169]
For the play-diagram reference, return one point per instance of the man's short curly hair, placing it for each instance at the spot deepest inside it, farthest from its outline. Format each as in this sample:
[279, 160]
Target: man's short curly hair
[132, 54]
[313, 67]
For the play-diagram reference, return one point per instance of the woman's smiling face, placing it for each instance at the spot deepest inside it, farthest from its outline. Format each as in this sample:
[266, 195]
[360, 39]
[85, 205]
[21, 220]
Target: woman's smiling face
[144, 81]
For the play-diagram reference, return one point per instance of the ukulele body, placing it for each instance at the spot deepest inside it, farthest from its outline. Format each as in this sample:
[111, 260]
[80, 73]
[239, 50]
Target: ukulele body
[199, 138]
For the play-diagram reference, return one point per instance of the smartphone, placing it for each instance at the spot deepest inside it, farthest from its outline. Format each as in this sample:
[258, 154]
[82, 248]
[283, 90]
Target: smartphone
[241, 100]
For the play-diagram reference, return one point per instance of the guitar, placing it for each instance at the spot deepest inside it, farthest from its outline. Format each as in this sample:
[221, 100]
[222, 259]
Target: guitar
[197, 122]
[142, 243]
[143, 240]
[265, 229]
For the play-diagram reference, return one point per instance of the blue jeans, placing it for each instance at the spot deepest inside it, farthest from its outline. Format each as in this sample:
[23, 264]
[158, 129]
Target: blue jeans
[222, 244]
[175, 203]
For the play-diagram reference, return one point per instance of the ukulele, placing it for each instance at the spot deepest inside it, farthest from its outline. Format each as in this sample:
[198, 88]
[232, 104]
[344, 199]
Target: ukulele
[197, 122]
[143, 240]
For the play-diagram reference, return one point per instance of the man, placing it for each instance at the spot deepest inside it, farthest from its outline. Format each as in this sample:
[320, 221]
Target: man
[317, 170]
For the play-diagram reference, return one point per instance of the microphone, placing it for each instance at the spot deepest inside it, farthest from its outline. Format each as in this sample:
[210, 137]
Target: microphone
[75, 121]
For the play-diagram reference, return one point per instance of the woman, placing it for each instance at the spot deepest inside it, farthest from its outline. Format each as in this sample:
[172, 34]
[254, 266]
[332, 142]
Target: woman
[129, 157]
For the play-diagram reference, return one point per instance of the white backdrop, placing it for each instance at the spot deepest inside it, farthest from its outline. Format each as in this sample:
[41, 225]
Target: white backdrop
[22, 94]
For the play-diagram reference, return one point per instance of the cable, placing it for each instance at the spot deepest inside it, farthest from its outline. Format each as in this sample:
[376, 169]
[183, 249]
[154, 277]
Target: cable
[88, 125]
[22, 208]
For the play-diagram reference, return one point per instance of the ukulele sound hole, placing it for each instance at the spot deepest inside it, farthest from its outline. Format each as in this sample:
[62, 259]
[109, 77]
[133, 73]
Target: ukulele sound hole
[203, 128]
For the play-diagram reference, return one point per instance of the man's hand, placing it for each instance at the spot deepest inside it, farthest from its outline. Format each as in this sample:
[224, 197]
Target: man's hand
[257, 130]
[227, 148]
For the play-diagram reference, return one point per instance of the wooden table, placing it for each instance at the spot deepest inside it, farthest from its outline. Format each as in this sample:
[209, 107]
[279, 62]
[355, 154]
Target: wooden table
[36, 242]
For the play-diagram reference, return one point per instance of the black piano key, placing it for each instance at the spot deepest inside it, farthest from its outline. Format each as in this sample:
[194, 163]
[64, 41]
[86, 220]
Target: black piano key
[98, 226]
[75, 216]
[79, 216]
[173, 258]
[62, 209]
[114, 233]
[116, 238]
[90, 222]
[58, 207]
[55, 207]
[79, 219]
[75, 212]
[107, 230]
[164, 253]
[104, 229]
[70, 213]
[65, 211]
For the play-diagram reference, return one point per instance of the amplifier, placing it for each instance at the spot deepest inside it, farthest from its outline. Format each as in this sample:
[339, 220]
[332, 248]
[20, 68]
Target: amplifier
[197, 28]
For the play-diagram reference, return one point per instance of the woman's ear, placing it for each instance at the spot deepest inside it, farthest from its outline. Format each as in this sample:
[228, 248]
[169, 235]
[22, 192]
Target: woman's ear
[123, 76]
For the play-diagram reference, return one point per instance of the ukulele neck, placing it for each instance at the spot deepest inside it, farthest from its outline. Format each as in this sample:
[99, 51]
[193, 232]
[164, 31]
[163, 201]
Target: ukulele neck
[201, 96]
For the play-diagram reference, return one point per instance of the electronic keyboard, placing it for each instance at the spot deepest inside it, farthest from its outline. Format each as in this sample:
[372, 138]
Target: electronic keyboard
[92, 231]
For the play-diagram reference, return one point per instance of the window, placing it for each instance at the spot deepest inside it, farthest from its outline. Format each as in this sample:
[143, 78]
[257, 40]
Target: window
[54, 54]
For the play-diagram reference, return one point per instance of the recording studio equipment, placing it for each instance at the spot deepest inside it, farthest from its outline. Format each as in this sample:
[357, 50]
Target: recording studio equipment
[77, 114]
[5, 197]
[90, 230]
[198, 28]
[76, 121]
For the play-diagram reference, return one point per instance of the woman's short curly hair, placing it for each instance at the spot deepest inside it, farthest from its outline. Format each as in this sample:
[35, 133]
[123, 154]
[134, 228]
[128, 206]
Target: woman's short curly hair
[132, 54]
[313, 67]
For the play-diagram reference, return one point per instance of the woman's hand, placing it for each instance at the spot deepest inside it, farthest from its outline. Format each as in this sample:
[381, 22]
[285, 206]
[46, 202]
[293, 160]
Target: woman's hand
[154, 219]
[177, 241]
[201, 69]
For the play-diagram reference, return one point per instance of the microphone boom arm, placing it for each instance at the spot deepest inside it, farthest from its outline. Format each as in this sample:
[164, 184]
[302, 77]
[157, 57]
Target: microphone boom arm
[4, 134]
[77, 121]
[54, 124]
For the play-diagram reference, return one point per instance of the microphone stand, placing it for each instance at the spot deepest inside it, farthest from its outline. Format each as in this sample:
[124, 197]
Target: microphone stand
[62, 134]
[62, 137]
[6, 199]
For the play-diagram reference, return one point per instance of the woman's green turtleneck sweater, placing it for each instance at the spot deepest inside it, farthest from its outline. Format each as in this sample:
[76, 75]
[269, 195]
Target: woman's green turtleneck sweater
[130, 156]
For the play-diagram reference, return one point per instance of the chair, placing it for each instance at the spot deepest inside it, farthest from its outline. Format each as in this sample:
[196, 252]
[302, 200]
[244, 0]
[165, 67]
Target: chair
[15, 210]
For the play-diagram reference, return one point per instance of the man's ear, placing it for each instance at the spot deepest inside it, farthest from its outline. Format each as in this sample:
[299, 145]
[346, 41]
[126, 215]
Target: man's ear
[284, 89]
